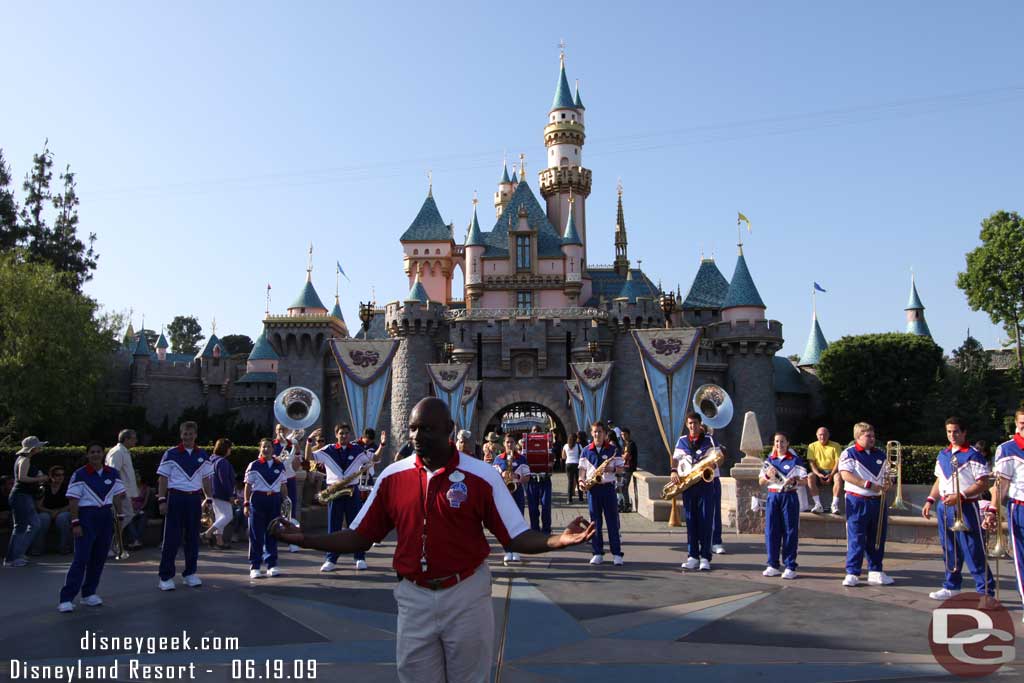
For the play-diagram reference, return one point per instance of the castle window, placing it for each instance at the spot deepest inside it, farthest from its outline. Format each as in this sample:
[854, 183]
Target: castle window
[415, 252]
[564, 161]
[437, 252]
[522, 252]
[574, 117]
[524, 300]
[563, 116]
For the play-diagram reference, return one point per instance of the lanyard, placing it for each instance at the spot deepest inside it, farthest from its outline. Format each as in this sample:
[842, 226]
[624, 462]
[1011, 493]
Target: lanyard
[424, 490]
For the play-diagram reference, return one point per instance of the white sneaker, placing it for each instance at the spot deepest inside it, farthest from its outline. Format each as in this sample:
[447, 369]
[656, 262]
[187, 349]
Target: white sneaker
[328, 566]
[255, 573]
[20, 562]
[880, 579]
[718, 549]
[192, 580]
[273, 571]
[167, 585]
[617, 560]
[835, 507]
[597, 559]
[516, 558]
[294, 548]
[789, 574]
[508, 558]
[942, 594]
[361, 565]
[705, 565]
[770, 571]
[691, 563]
[851, 580]
[93, 600]
[817, 508]
[66, 607]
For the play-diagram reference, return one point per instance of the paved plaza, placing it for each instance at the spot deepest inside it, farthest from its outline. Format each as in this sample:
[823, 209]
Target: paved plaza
[569, 621]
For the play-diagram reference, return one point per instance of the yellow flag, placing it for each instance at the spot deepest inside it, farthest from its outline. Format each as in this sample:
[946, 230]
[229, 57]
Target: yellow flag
[740, 218]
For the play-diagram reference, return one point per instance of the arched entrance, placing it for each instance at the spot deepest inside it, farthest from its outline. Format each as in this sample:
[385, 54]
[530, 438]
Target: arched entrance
[522, 416]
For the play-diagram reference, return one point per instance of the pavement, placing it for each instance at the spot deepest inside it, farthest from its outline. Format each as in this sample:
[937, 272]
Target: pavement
[568, 620]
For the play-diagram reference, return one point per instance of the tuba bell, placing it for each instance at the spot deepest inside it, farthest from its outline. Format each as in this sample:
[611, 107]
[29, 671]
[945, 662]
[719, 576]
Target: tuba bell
[713, 404]
[297, 408]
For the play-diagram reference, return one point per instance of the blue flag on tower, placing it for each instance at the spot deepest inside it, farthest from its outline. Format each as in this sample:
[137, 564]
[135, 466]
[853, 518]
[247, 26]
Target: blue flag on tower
[819, 287]
[342, 270]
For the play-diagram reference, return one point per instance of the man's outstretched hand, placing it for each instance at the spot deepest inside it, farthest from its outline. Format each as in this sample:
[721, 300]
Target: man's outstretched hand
[578, 531]
[283, 530]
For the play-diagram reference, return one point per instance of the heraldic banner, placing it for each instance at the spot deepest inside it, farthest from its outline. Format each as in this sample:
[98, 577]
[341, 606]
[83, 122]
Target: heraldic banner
[669, 363]
[467, 406]
[576, 399]
[449, 384]
[593, 381]
[365, 377]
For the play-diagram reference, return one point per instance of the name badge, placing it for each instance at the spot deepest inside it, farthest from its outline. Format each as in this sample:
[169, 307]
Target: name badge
[199, 460]
[106, 481]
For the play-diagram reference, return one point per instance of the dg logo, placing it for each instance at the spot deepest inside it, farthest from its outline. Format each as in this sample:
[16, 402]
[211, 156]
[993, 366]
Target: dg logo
[971, 636]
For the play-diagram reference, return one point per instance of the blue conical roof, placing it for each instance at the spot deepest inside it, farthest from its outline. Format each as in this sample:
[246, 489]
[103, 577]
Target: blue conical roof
[418, 292]
[308, 298]
[428, 226]
[914, 302]
[571, 235]
[918, 327]
[742, 291]
[515, 177]
[475, 238]
[262, 350]
[563, 94]
[161, 343]
[141, 346]
[336, 311]
[816, 345]
[212, 343]
[631, 289]
[709, 287]
[504, 174]
[578, 102]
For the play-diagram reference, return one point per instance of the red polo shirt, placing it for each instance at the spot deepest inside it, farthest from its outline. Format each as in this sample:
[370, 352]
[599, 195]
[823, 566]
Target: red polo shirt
[440, 515]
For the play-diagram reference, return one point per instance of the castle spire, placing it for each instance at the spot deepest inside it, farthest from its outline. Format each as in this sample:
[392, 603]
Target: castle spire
[916, 323]
[621, 264]
[816, 344]
[309, 264]
[563, 93]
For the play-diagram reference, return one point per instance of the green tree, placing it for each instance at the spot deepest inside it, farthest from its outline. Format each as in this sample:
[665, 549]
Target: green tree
[884, 379]
[237, 343]
[66, 251]
[37, 196]
[11, 232]
[55, 351]
[994, 279]
[185, 332]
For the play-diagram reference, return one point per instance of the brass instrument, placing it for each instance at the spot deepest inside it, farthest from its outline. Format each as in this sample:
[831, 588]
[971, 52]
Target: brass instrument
[996, 540]
[342, 487]
[893, 462]
[958, 519]
[286, 511]
[596, 476]
[297, 408]
[894, 454]
[713, 404]
[508, 476]
[206, 517]
[120, 553]
[703, 470]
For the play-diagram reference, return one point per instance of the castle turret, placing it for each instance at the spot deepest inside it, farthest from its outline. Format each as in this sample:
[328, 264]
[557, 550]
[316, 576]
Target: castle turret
[504, 193]
[703, 303]
[474, 249]
[916, 323]
[621, 264]
[417, 294]
[261, 365]
[572, 248]
[428, 246]
[742, 301]
[129, 337]
[308, 302]
[564, 136]
[816, 344]
[141, 360]
[161, 347]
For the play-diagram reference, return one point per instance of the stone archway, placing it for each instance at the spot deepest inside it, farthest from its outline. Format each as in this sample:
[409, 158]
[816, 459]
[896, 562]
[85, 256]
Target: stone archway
[548, 394]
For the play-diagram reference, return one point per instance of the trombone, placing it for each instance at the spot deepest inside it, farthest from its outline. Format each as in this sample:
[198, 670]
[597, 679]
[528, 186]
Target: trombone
[894, 454]
[892, 470]
[998, 548]
[959, 525]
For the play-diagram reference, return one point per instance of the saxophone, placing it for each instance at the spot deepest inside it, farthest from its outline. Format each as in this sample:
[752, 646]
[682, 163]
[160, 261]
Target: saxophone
[703, 470]
[342, 488]
[596, 476]
[509, 478]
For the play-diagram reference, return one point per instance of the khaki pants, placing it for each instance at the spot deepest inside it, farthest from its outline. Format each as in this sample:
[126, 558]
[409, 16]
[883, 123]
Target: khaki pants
[447, 635]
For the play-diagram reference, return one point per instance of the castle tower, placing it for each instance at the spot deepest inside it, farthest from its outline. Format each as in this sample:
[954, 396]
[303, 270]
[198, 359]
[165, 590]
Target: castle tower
[816, 344]
[621, 263]
[572, 248]
[742, 301]
[262, 359]
[564, 136]
[141, 360]
[704, 301]
[475, 248]
[161, 347]
[428, 245]
[505, 188]
[308, 302]
[916, 323]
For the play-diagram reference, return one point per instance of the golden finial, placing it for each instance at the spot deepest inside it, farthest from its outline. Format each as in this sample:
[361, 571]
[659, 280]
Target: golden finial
[619, 187]
[522, 167]
[430, 182]
[561, 52]
[475, 200]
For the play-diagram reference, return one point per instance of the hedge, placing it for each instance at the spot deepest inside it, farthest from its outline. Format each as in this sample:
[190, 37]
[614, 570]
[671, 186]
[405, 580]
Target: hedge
[918, 461]
[146, 459]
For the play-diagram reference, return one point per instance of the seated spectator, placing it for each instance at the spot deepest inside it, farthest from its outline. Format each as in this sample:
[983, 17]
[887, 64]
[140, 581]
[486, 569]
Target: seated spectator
[54, 512]
[136, 527]
[823, 457]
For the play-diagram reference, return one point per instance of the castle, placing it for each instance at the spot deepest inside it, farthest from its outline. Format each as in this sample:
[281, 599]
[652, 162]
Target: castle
[532, 303]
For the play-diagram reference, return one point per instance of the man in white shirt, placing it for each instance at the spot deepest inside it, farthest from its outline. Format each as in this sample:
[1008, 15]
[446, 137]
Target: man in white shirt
[120, 458]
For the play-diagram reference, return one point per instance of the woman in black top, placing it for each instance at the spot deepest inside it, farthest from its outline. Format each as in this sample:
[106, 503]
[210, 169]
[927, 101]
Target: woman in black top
[27, 478]
[54, 511]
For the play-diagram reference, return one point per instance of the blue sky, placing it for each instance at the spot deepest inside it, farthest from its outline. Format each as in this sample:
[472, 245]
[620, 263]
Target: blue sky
[213, 144]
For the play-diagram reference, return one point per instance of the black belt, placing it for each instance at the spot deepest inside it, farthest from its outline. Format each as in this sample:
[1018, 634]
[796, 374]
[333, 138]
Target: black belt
[443, 582]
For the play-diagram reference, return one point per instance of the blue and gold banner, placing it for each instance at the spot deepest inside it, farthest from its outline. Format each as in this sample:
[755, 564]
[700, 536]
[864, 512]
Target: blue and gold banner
[669, 362]
[449, 381]
[593, 381]
[365, 377]
[576, 399]
[467, 406]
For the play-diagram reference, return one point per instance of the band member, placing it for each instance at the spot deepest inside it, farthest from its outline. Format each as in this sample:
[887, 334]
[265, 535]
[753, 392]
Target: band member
[699, 499]
[266, 484]
[862, 467]
[972, 472]
[601, 499]
[512, 460]
[286, 450]
[184, 477]
[538, 489]
[223, 493]
[782, 473]
[343, 459]
[822, 457]
[440, 502]
[1009, 469]
[95, 495]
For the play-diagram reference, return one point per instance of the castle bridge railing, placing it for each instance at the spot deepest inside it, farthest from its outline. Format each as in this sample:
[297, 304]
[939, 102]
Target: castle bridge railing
[572, 313]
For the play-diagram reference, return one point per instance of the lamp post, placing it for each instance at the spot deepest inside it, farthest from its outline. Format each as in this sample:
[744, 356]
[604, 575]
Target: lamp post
[366, 314]
[593, 348]
[668, 306]
[449, 348]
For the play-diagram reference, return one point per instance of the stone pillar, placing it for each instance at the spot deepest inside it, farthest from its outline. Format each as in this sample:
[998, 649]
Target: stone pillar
[416, 326]
[745, 473]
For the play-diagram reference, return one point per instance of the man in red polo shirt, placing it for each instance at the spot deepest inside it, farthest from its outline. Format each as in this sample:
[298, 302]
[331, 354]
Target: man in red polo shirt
[440, 502]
